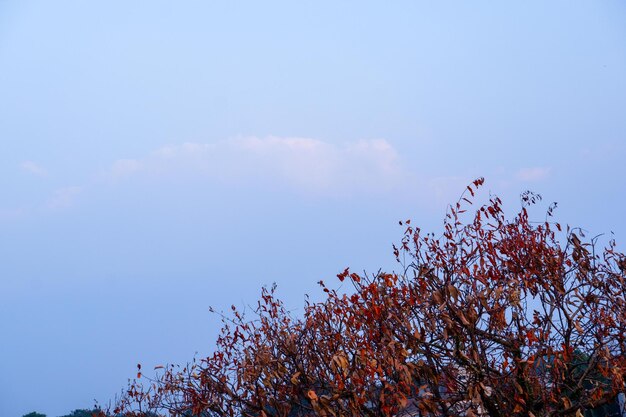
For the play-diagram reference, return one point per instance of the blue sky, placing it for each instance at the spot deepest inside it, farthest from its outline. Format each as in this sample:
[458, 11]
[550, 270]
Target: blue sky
[161, 157]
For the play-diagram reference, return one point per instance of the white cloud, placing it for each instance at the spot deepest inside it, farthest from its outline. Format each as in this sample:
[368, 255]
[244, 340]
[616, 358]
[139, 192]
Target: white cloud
[63, 197]
[33, 168]
[532, 174]
[124, 167]
[309, 165]
[11, 214]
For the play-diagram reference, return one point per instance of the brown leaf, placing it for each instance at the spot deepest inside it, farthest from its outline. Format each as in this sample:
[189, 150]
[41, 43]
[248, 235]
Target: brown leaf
[294, 378]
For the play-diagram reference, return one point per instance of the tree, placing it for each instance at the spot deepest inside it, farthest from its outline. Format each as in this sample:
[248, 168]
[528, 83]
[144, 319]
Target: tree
[494, 317]
[85, 413]
[34, 414]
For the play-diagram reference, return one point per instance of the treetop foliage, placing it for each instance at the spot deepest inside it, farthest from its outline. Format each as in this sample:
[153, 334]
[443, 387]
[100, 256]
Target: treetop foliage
[494, 317]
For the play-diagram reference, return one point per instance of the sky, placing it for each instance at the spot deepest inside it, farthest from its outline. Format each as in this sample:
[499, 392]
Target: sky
[158, 158]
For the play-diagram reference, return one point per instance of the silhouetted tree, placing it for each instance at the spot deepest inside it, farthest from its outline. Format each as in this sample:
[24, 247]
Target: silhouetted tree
[85, 413]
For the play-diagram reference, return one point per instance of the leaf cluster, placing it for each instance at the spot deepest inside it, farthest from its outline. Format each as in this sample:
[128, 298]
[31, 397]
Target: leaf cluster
[495, 317]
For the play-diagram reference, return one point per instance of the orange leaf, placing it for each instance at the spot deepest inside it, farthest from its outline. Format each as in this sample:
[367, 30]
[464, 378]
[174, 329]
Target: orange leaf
[312, 395]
